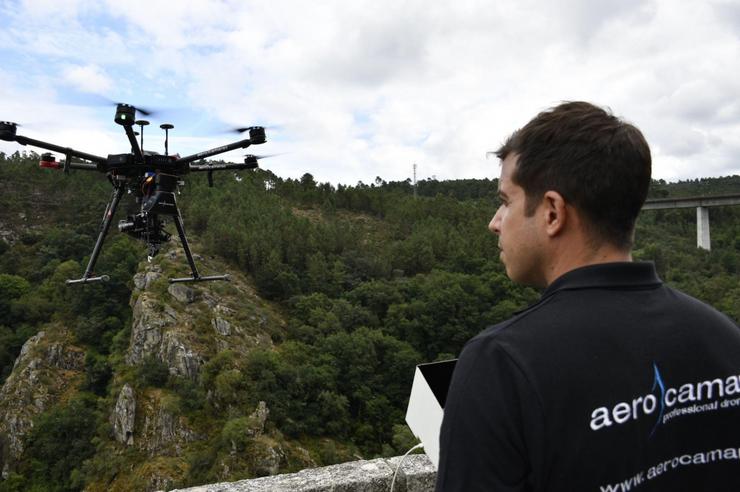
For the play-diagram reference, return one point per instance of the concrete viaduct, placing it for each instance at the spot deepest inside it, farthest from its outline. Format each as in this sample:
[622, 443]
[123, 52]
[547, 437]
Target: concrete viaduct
[702, 204]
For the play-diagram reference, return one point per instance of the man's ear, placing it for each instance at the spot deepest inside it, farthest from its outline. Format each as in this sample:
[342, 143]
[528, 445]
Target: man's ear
[555, 213]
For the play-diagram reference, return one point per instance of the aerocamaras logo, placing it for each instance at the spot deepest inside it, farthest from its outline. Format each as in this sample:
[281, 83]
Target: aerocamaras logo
[699, 397]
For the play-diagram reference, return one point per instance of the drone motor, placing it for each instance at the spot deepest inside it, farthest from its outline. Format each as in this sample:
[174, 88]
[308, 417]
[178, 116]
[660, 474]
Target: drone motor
[7, 130]
[125, 114]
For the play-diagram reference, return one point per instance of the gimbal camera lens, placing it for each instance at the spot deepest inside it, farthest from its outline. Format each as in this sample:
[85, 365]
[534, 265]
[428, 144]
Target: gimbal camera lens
[125, 225]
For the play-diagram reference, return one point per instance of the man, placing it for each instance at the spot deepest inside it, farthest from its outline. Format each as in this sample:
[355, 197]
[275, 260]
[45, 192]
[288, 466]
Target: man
[612, 381]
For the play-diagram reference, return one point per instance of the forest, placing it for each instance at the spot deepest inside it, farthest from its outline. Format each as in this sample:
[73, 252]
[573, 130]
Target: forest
[371, 279]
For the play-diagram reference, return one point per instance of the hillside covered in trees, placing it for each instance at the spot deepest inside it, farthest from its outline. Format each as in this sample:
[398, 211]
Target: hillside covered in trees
[367, 281]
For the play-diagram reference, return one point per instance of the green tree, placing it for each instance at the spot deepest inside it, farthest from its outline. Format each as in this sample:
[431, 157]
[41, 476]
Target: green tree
[59, 443]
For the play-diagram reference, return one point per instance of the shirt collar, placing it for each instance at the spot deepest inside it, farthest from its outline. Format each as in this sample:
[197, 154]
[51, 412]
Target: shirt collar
[621, 274]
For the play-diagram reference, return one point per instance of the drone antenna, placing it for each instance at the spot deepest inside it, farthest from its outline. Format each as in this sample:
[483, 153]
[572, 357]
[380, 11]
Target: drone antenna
[142, 124]
[166, 127]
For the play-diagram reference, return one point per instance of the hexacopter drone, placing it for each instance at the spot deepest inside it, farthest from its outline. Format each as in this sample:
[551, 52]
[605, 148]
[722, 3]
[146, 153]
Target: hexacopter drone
[152, 178]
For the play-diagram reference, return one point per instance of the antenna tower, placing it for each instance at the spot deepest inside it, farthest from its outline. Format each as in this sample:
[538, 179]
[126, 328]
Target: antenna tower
[414, 180]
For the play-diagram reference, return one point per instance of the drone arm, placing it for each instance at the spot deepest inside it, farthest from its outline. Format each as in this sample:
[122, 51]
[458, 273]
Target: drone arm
[227, 166]
[242, 144]
[63, 150]
[135, 149]
[81, 165]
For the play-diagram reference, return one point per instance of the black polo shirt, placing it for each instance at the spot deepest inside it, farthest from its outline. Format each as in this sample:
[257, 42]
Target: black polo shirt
[611, 382]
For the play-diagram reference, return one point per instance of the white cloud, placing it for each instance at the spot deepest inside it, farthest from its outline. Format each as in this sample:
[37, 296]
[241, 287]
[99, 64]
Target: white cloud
[367, 89]
[88, 78]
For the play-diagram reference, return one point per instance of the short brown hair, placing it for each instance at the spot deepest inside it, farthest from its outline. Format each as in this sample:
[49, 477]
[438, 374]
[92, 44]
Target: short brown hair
[597, 162]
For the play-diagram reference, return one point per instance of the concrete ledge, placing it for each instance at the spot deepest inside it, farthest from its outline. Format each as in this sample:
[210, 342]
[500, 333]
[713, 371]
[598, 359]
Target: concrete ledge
[417, 474]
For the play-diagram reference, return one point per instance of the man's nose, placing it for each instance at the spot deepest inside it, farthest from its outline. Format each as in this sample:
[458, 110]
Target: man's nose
[495, 225]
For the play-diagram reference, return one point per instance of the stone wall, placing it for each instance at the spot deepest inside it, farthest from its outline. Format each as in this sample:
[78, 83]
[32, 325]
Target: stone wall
[416, 474]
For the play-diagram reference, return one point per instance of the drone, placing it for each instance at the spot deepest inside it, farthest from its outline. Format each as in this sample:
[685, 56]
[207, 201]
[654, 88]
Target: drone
[152, 178]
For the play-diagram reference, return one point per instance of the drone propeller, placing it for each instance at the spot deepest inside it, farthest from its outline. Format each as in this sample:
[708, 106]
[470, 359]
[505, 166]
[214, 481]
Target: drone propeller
[145, 112]
[98, 100]
[258, 157]
[18, 125]
[243, 129]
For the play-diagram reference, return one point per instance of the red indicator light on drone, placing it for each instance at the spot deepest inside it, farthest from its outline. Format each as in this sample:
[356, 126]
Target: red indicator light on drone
[48, 161]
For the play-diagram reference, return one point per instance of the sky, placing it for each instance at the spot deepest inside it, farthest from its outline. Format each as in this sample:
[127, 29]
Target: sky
[354, 90]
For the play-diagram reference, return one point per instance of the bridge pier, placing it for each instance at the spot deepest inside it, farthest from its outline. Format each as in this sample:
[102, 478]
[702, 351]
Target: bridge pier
[702, 204]
[702, 228]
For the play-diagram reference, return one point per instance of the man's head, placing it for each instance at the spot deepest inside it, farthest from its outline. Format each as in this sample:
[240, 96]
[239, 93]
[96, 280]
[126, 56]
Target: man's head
[594, 163]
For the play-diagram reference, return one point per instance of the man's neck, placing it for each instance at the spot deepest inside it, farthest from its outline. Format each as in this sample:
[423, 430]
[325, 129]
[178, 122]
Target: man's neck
[576, 256]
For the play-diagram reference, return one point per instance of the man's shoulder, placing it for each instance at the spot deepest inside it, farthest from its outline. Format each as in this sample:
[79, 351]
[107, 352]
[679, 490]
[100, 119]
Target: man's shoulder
[501, 334]
[687, 305]
[548, 308]
[600, 314]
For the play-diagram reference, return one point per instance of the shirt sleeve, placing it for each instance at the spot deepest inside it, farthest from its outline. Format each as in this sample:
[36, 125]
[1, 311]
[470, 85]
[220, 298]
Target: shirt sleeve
[492, 424]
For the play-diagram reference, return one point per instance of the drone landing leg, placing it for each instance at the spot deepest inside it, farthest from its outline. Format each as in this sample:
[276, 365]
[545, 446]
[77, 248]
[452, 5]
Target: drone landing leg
[196, 276]
[110, 211]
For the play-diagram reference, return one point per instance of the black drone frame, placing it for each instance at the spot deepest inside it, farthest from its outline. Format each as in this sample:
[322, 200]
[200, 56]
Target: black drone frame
[151, 177]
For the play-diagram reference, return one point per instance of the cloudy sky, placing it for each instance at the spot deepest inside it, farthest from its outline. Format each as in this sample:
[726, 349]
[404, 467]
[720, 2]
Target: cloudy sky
[359, 89]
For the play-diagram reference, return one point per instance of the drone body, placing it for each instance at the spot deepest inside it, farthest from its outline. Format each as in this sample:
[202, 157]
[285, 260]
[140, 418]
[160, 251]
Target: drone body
[151, 178]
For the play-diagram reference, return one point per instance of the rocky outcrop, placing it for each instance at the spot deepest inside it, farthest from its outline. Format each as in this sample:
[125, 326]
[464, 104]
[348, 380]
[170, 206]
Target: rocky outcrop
[415, 474]
[166, 326]
[158, 331]
[221, 326]
[163, 433]
[143, 280]
[177, 352]
[124, 416]
[257, 420]
[46, 366]
[182, 293]
[7, 234]
[266, 456]
[183, 326]
[150, 319]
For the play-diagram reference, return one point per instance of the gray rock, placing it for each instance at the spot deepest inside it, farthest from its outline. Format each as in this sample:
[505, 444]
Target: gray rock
[124, 416]
[59, 356]
[209, 300]
[221, 326]
[221, 309]
[149, 321]
[140, 281]
[30, 343]
[258, 418]
[160, 480]
[180, 358]
[268, 459]
[182, 293]
[31, 388]
[222, 344]
[154, 334]
[164, 433]
[151, 277]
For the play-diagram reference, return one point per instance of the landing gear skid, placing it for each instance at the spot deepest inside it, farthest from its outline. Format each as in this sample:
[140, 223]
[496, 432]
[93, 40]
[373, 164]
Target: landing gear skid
[139, 233]
[199, 279]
